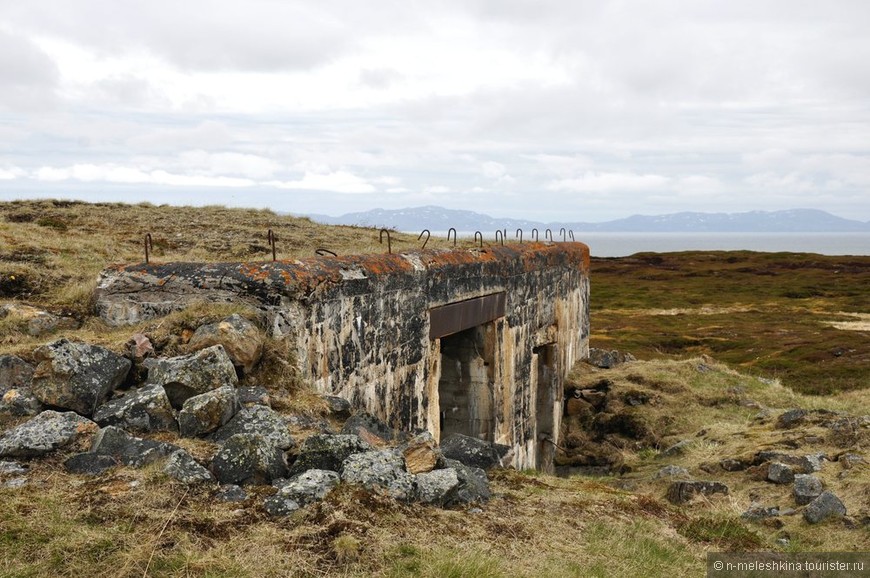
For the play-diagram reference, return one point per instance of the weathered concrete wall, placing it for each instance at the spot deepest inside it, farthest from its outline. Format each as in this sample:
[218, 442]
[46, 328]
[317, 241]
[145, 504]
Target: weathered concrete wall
[362, 325]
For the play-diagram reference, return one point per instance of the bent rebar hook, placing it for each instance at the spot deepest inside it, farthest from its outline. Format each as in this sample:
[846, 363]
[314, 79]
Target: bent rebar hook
[389, 240]
[479, 234]
[520, 235]
[428, 234]
[454, 235]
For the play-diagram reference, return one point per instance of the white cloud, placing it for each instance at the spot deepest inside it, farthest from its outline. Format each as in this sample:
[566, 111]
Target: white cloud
[339, 181]
[592, 182]
[130, 175]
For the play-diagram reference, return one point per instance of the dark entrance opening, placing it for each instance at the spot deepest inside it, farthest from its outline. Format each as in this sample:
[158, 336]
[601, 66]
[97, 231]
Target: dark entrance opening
[465, 389]
[548, 396]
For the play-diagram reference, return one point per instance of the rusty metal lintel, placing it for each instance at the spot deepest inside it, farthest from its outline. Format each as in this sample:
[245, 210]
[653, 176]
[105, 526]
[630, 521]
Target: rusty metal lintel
[456, 317]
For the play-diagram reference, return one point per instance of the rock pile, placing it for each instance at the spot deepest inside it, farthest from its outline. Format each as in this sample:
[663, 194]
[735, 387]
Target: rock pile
[75, 407]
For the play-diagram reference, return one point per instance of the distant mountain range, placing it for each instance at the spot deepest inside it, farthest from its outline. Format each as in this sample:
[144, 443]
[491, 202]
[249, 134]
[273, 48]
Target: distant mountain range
[440, 219]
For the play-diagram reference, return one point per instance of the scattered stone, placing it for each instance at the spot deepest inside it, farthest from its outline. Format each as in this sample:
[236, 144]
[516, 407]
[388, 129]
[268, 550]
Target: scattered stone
[185, 469]
[595, 397]
[248, 459]
[8, 468]
[44, 433]
[240, 338]
[470, 451]
[682, 492]
[328, 452]
[827, 505]
[146, 409]
[259, 420]
[779, 473]
[578, 407]
[381, 471]
[437, 487]
[791, 418]
[38, 321]
[338, 406]
[798, 464]
[733, 465]
[310, 486]
[421, 454]
[76, 376]
[254, 395]
[206, 412]
[677, 449]
[89, 464]
[14, 373]
[806, 488]
[607, 359]
[369, 428]
[816, 461]
[14, 483]
[140, 347]
[188, 375]
[759, 513]
[129, 450]
[671, 471]
[280, 506]
[849, 461]
[473, 484]
[231, 493]
[20, 402]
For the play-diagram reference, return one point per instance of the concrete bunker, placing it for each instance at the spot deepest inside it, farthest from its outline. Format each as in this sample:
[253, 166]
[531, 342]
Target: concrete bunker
[473, 341]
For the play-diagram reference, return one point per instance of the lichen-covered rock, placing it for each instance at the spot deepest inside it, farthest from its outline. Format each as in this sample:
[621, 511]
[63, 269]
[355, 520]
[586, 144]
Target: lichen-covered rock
[76, 376]
[791, 418]
[129, 450]
[327, 452]
[145, 409]
[309, 486]
[248, 459]
[240, 338]
[798, 464]
[806, 488]
[254, 395]
[188, 375]
[20, 402]
[206, 412]
[671, 471]
[607, 359]
[682, 492]
[45, 433]
[381, 471]
[421, 454]
[473, 484]
[89, 464]
[338, 406]
[259, 420]
[825, 506]
[278, 505]
[231, 493]
[14, 373]
[369, 428]
[181, 466]
[10, 468]
[470, 451]
[437, 487]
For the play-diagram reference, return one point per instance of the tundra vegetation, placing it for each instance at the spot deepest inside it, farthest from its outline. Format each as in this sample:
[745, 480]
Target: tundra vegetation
[730, 345]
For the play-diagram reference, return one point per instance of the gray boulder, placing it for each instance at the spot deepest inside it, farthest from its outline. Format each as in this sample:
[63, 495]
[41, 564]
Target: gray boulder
[45, 433]
[327, 452]
[437, 487]
[259, 420]
[89, 464]
[76, 376]
[806, 488]
[381, 471]
[827, 505]
[188, 375]
[231, 493]
[338, 406]
[682, 492]
[254, 395]
[607, 359]
[791, 418]
[473, 484]
[368, 427]
[10, 468]
[145, 409]
[185, 469]
[798, 464]
[310, 486]
[278, 505]
[248, 459]
[129, 450]
[671, 471]
[206, 412]
[20, 402]
[37, 321]
[779, 473]
[470, 451]
[240, 338]
[14, 373]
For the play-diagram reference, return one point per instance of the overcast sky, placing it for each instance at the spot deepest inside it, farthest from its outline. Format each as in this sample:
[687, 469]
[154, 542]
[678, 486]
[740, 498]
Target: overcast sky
[565, 109]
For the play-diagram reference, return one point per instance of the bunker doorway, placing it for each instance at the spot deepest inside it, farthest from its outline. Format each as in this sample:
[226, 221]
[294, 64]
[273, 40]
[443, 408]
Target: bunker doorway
[548, 402]
[465, 389]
